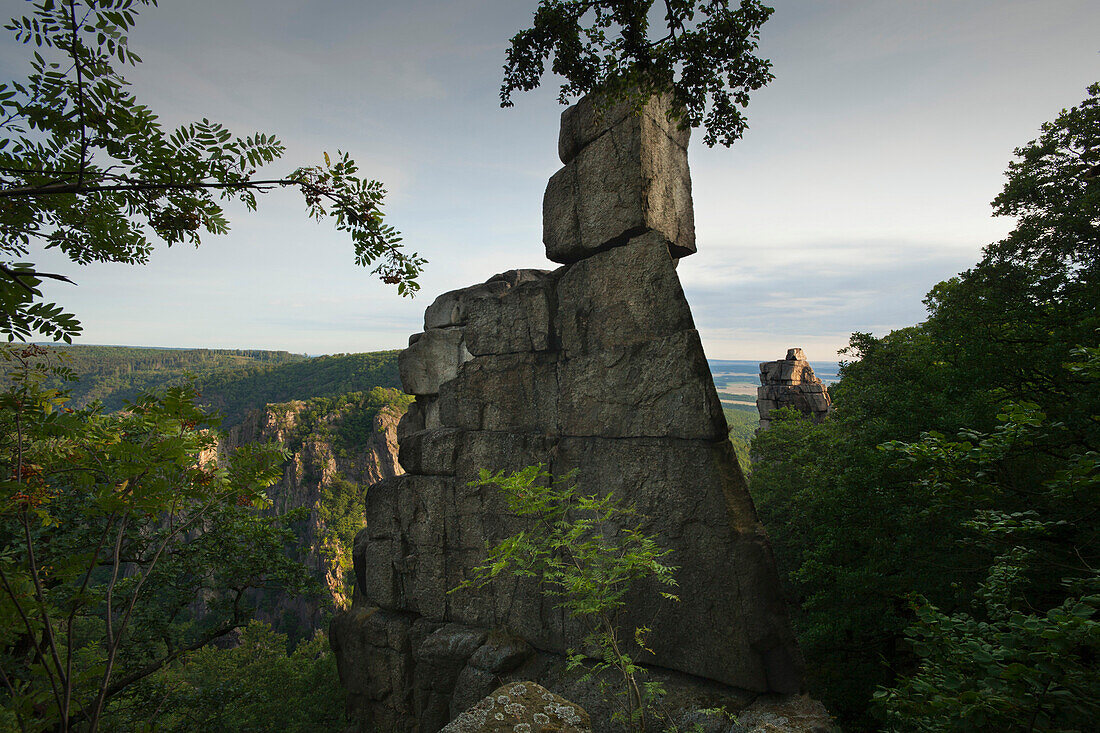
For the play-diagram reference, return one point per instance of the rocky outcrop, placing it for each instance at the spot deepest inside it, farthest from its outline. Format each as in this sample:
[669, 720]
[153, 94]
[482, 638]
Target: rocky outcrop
[319, 466]
[625, 174]
[791, 382]
[595, 368]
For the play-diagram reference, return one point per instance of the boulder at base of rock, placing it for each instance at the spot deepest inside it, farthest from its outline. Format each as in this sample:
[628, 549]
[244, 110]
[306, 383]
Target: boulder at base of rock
[784, 714]
[522, 707]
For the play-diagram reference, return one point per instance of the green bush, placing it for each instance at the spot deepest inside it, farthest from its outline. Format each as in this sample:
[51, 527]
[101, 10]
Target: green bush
[254, 687]
[587, 551]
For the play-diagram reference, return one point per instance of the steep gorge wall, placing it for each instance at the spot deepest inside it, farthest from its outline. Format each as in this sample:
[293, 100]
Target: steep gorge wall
[318, 470]
[594, 367]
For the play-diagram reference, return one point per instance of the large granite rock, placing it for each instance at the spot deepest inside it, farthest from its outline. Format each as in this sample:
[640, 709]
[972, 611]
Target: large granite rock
[791, 382]
[595, 368]
[626, 174]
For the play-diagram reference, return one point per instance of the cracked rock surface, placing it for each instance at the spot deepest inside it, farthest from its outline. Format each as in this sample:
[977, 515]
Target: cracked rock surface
[791, 382]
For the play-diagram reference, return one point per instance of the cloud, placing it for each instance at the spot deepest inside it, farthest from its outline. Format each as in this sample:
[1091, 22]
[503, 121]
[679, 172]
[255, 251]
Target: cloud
[751, 308]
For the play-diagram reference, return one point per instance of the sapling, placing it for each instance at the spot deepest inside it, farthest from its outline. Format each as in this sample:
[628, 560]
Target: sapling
[587, 551]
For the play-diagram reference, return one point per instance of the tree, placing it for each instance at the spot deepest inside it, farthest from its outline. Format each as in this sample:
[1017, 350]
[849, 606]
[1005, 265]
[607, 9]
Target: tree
[120, 550]
[1023, 655]
[705, 57]
[86, 169]
[862, 532]
[256, 685]
[587, 551]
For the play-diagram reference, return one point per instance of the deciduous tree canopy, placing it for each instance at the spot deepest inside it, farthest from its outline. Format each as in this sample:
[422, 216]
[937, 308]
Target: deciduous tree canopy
[87, 169]
[704, 54]
[957, 479]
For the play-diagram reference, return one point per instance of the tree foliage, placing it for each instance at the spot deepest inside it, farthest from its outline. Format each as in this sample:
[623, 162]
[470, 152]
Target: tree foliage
[87, 169]
[1053, 193]
[742, 426]
[121, 550]
[229, 381]
[255, 685]
[587, 551]
[1023, 655]
[704, 54]
[959, 460]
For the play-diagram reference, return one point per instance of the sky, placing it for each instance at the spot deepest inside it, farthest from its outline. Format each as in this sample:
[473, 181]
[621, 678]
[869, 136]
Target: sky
[864, 179]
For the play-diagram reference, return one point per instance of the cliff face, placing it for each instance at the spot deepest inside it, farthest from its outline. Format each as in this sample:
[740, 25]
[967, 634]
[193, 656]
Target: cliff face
[595, 367]
[337, 449]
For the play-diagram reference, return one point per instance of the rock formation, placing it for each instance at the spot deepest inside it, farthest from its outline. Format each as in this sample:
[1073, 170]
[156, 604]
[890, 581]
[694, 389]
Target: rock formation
[596, 368]
[315, 465]
[791, 382]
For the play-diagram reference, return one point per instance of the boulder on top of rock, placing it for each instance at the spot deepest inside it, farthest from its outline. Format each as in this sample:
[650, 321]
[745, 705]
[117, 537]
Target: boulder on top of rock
[592, 116]
[628, 180]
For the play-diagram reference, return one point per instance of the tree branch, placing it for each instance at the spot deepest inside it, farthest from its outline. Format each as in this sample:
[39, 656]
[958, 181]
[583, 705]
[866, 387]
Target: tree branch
[50, 189]
[15, 277]
[74, 44]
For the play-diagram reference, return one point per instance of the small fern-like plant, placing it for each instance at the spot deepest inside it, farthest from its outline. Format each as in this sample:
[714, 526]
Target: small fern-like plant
[587, 551]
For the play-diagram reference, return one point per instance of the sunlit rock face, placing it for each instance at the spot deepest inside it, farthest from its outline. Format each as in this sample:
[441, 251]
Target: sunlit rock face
[595, 367]
[314, 463]
[791, 382]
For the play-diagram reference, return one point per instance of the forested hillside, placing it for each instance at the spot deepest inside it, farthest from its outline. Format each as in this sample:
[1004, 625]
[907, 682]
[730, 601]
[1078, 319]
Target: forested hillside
[233, 393]
[232, 381]
[114, 374]
[337, 448]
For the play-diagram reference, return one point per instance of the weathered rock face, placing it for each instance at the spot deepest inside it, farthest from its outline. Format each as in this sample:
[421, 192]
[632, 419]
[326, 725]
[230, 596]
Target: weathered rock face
[791, 382]
[525, 706]
[595, 367]
[624, 174]
[316, 463]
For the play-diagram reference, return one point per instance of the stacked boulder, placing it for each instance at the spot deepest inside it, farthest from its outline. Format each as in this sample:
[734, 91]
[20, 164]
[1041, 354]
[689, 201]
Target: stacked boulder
[597, 368]
[791, 382]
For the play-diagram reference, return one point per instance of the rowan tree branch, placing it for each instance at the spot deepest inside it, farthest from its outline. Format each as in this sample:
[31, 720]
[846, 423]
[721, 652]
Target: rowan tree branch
[74, 45]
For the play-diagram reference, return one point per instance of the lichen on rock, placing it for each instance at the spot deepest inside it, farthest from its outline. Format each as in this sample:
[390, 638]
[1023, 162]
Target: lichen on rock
[521, 707]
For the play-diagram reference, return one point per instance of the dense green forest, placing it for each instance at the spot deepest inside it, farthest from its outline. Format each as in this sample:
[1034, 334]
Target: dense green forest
[115, 374]
[742, 427]
[941, 531]
[232, 381]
